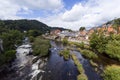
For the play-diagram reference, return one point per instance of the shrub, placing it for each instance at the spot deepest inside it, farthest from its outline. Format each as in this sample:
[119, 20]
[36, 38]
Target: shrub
[65, 41]
[113, 49]
[112, 73]
[31, 38]
[65, 54]
[89, 54]
[81, 45]
[2, 59]
[10, 55]
[82, 77]
[7, 57]
[98, 42]
[41, 46]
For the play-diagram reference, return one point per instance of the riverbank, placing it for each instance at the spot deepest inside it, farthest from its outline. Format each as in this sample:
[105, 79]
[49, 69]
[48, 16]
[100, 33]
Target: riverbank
[87, 69]
[27, 65]
[99, 62]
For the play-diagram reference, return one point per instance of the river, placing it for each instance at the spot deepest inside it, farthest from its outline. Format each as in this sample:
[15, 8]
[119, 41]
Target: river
[59, 69]
[28, 67]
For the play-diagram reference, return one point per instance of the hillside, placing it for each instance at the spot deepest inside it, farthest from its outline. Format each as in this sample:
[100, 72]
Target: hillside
[25, 25]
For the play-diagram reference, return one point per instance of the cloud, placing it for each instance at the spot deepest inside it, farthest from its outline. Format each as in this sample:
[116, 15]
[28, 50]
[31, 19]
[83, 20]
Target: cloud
[40, 4]
[9, 9]
[87, 13]
[93, 13]
[90, 14]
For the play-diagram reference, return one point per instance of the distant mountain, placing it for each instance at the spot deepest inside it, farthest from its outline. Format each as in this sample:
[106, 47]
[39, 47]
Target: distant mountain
[112, 22]
[25, 25]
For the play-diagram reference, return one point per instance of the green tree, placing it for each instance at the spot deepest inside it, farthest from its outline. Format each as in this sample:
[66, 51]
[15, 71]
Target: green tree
[113, 49]
[98, 42]
[116, 24]
[112, 73]
[34, 33]
[41, 46]
[82, 28]
[11, 38]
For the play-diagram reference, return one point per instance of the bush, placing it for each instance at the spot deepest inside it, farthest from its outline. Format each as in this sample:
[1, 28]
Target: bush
[41, 46]
[2, 59]
[89, 54]
[10, 55]
[31, 38]
[112, 73]
[7, 57]
[82, 77]
[113, 49]
[98, 42]
[65, 54]
[65, 41]
[81, 45]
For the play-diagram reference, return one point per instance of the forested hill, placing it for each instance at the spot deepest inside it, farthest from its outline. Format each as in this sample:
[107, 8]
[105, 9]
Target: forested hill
[25, 25]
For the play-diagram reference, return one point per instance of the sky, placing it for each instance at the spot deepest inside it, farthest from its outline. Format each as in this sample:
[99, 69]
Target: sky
[71, 14]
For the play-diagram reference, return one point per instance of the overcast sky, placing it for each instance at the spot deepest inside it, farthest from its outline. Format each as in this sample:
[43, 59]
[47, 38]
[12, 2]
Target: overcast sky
[62, 13]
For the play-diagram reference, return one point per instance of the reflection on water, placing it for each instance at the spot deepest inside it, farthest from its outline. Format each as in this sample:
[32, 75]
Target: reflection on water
[23, 67]
[56, 68]
[59, 69]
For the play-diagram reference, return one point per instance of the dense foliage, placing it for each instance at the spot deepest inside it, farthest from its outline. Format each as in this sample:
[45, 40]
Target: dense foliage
[106, 44]
[98, 42]
[41, 46]
[113, 49]
[11, 33]
[89, 54]
[82, 28]
[25, 25]
[65, 41]
[112, 73]
[66, 54]
[116, 24]
[11, 38]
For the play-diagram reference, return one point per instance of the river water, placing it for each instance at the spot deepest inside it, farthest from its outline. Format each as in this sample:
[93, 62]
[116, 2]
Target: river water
[28, 67]
[59, 69]
[25, 66]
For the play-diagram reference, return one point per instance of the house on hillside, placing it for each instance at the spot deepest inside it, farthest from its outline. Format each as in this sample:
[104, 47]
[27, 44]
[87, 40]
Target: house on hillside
[83, 33]
[55, 32]
[91, 31]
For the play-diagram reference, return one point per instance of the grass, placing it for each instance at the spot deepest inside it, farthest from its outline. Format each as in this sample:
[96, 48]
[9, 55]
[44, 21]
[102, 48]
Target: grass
[93, 63]
[89, 54]
[65, 41]
[41, 46]
[81, 76]
[66, 54]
